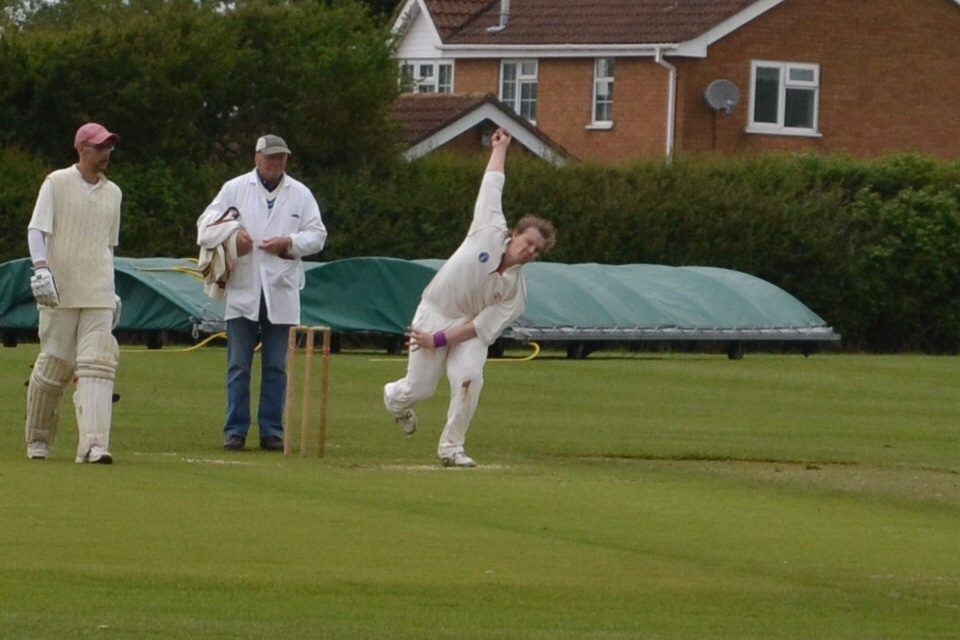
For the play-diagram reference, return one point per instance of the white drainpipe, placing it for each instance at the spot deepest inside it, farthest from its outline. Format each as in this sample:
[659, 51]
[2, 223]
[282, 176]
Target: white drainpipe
[504, 17]
[671, 101]
[504, 12]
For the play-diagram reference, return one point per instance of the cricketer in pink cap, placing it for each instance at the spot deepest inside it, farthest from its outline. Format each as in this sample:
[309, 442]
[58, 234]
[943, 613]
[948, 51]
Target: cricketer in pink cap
[93, 133]
[72, 236]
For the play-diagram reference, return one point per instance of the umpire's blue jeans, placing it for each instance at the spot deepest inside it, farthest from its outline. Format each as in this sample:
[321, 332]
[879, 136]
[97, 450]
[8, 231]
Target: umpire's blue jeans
[242, 337]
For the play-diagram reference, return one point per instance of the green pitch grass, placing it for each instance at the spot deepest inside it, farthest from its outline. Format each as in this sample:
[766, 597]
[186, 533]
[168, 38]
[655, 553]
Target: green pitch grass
[647, 496]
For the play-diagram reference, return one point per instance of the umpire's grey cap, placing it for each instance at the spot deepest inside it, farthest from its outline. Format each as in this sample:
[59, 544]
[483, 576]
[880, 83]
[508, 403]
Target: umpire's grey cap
[271, 144]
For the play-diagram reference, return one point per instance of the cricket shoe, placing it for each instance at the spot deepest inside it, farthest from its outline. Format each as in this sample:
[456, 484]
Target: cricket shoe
[408, 422]
[38, 450]
[271, 443]
[234, 443]
[458, 459]
[96, 455]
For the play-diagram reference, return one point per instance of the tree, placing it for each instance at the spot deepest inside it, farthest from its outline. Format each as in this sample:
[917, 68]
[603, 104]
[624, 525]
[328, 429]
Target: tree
[189, 86]
[190, 82]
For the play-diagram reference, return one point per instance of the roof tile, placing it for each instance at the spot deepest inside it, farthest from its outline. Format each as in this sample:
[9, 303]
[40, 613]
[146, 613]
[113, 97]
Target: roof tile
[450, 15]
[421, 114]
[551, 22]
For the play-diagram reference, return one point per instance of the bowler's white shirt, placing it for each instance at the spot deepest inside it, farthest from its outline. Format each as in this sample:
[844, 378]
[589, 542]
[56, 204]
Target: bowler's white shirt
[467, 287]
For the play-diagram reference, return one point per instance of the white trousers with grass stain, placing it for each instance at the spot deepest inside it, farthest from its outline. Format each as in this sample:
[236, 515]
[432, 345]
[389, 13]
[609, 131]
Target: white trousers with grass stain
[463, 363]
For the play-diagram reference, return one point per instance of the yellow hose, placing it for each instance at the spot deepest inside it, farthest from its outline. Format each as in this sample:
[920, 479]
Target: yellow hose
[187, 270]
[222, 334]
[199, 345]
[536, 352]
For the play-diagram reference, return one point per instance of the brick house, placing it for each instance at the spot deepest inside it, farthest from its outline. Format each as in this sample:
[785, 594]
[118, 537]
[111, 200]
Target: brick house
[615, 80]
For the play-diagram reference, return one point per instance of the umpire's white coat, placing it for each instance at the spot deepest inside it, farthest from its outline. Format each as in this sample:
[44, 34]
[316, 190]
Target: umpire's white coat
[295, 215]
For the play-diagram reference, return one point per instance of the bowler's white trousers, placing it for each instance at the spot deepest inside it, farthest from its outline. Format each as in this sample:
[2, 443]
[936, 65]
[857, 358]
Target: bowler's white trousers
[464, 364]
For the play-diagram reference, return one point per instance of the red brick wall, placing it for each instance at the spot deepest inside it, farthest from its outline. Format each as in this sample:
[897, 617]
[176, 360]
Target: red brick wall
[890, 81]
[565, 105]
[889, 71]
[472, 76]
[565, 109]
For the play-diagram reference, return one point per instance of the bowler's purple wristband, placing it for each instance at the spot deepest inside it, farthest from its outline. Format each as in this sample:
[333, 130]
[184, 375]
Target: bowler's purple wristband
[439, 339]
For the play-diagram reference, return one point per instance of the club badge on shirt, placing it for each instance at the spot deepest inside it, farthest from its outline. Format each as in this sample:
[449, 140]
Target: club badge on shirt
[484, 256]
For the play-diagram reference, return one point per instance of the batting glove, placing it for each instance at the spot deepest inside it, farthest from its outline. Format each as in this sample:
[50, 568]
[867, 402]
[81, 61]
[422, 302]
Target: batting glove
[44, 287]
[116, 312]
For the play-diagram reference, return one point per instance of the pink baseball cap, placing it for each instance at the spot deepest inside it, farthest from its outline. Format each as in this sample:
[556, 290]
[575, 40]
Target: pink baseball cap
[94, 134]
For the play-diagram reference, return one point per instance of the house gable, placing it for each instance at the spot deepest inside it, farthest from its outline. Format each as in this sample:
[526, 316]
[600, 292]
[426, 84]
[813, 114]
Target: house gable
[431, 121]
[417, 33]
[697, 47]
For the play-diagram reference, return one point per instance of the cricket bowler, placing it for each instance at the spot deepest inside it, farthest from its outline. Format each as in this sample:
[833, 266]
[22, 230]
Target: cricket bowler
[474, 296]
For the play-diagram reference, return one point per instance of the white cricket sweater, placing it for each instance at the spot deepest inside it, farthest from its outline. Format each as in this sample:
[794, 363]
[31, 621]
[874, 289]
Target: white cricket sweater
[82, 225]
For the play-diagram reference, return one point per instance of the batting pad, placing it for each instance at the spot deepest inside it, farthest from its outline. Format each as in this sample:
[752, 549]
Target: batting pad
[44, 396]
[97, 358]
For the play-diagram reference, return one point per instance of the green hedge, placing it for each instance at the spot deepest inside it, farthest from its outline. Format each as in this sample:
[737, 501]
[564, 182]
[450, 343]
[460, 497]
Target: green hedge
[871, 246]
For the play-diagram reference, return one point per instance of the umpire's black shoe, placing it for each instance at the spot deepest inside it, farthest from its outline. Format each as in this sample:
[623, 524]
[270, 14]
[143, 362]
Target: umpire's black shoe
[234, 443]
[272, 443]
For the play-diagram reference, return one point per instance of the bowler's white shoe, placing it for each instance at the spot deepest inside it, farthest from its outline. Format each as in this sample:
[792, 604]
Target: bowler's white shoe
[458, 459]
[408, 422]
[96, 455]
[38, 450]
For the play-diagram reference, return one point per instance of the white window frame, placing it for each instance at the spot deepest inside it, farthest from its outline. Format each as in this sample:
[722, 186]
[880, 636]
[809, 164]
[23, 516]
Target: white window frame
[429, 82]
[602, 81]
[787, 81]
[522, 80]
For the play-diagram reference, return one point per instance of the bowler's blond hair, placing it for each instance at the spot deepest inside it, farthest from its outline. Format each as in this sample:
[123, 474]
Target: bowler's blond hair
[545, 227]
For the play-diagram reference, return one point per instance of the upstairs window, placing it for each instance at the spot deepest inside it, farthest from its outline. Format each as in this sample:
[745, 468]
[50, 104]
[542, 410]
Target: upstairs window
[785, 98]
[427, 76]
[603, 92]
[518, 87]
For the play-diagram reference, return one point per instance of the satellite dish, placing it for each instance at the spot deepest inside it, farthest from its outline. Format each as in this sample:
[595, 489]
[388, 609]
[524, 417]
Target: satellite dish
[722, 95]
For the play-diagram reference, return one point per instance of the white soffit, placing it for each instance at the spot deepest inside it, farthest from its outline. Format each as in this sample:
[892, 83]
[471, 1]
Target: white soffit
[697, 47]
[474, 51]
[468, 121]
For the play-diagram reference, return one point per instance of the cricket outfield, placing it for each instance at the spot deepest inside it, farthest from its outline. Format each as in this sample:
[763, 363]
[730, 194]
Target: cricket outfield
[654, 496]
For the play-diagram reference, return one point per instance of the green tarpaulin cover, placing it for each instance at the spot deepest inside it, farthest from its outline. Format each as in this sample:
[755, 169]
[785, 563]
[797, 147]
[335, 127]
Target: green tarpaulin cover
[159, 294]
[564, 302]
